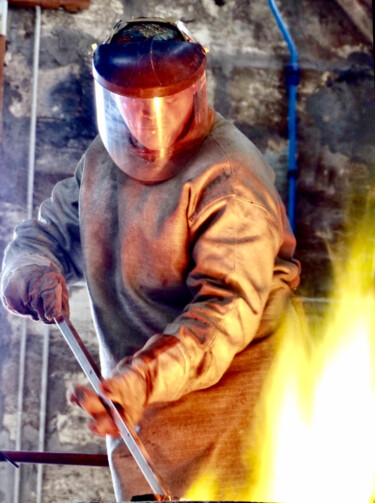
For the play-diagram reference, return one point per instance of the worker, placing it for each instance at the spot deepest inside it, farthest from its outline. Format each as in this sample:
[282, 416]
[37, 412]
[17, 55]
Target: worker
[173, 220]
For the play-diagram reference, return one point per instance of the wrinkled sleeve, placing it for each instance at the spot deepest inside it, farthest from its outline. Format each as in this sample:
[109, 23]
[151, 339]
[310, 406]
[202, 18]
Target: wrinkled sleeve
[52, 237]
[234, 245]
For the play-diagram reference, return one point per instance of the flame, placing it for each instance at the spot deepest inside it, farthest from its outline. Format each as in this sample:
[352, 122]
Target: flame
[316, 417]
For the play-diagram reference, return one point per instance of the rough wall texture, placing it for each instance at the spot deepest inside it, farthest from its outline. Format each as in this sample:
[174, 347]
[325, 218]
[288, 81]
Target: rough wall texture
[336, 157]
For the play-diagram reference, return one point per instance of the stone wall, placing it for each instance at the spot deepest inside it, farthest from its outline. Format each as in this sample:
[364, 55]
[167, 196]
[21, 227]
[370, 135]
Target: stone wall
[246, 72]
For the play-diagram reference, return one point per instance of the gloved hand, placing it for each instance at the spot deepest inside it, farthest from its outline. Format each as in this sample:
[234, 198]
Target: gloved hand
[38, 291]
[127, 390]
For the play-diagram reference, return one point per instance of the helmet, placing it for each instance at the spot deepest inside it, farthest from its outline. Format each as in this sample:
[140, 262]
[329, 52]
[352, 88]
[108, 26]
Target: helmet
[151, 97]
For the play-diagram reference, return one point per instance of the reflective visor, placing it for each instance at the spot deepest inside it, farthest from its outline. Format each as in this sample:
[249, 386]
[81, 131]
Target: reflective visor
[151, 96]
[157, 123]
[145, 136]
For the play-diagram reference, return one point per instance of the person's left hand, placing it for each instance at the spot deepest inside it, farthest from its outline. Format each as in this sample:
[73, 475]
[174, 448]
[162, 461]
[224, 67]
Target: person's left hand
[128, 391]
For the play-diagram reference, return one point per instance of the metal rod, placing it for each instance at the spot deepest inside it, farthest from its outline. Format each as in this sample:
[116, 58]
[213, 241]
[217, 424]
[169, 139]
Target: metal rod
[29, 211]
[3, 29]
[54, 458]
[33, 118]
[4, 16]
[31, 172]
[43, 409]
[20, 395]
[128, 434]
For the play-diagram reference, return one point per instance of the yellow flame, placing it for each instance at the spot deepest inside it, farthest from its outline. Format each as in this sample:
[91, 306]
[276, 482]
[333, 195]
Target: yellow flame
[316, 428]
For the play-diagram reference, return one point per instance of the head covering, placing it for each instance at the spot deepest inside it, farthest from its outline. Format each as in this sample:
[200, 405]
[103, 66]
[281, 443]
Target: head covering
[151, 96]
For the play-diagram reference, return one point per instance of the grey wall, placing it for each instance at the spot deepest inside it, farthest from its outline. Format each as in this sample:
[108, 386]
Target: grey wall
[336, 158]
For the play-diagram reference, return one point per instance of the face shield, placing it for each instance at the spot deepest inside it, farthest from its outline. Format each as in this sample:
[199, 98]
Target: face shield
[151, 96]
[157, 123]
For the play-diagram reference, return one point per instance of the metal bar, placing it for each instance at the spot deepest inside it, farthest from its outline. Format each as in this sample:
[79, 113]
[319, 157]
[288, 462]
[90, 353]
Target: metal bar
[33, 119]
[54, 458]
[20, 395]
[3, 30]
[4, 16]
[30, 191]
[127, 432]
[2, 56]
[43, 409]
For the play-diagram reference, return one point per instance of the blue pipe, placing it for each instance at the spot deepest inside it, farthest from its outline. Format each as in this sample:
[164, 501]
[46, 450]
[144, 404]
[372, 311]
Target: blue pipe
[292, 80]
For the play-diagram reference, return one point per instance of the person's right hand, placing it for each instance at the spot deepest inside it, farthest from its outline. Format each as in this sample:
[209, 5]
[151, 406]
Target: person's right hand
[128, 391]
[37, 291]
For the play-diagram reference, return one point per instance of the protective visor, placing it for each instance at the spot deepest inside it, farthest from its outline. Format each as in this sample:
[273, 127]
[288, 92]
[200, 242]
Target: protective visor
[135, 130]
[150, 90]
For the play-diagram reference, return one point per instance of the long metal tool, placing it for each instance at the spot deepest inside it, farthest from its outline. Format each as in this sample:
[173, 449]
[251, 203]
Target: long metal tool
[3, 31]
[128, 434]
